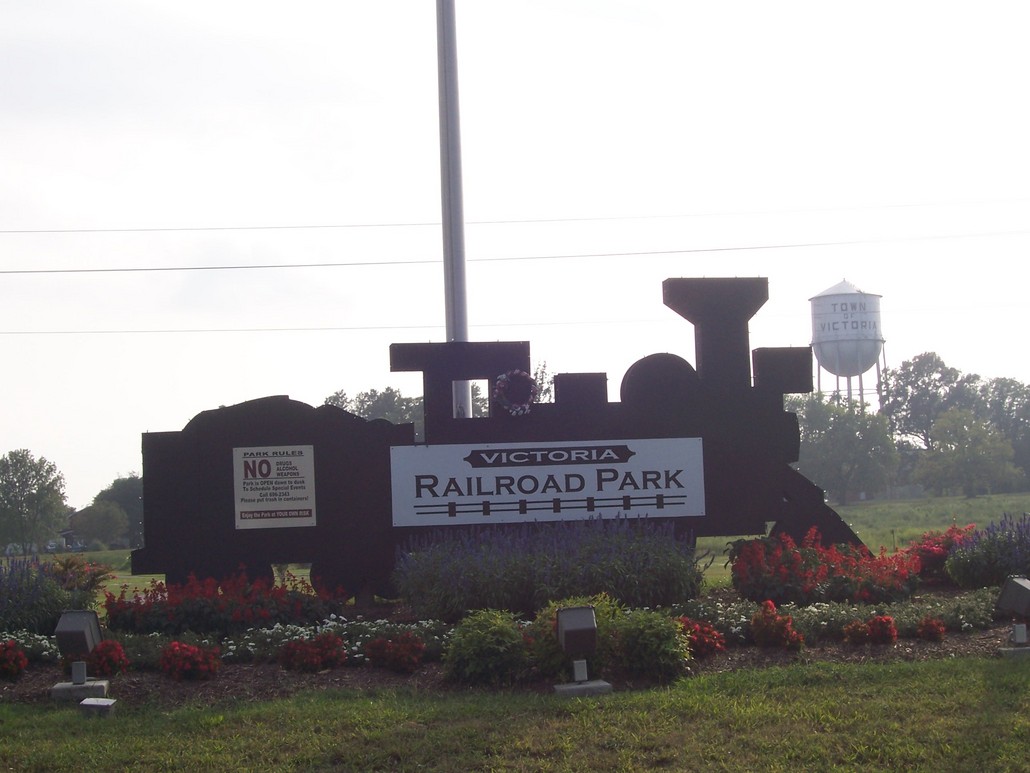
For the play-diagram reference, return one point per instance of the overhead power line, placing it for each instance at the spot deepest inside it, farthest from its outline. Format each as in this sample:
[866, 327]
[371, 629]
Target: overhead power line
[322, 329]
[514, 221]
[573, 256]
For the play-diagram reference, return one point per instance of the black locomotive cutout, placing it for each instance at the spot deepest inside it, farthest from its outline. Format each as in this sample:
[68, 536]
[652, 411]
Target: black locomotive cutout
[707, 446]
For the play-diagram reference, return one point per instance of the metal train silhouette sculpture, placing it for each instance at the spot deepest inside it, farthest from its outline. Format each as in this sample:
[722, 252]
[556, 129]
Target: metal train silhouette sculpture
[274, 480]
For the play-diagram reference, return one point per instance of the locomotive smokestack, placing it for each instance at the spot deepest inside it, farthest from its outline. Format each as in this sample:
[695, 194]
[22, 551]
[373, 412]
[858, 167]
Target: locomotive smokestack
[719, 309]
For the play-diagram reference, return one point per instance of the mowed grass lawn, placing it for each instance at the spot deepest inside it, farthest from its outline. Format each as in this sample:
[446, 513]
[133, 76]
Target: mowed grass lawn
[959, 715]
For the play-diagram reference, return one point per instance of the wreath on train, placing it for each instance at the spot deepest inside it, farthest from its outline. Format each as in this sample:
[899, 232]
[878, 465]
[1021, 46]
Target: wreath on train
[515, 391]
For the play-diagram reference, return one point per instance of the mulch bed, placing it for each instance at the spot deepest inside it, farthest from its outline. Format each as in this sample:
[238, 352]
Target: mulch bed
[255, 682]
[266, 681]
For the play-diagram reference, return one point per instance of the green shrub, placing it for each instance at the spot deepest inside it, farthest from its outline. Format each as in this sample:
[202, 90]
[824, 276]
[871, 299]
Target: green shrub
[731, 618]
[651, 645]
[639, 643]
[989, 555]
[486, 648]
[857, 632]
[824, 621]
[31, 598]
[142, 650]
[522, 568]
[83, 579]
[38, 648]
[970, 611]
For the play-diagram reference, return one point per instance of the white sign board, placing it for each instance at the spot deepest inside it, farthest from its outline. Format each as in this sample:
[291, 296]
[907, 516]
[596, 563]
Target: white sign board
[450, 485]
[275, 486]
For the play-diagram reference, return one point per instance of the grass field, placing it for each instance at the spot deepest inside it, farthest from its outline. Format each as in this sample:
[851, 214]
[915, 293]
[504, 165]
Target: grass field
[889, 523]
[894, 524]
[958, 715]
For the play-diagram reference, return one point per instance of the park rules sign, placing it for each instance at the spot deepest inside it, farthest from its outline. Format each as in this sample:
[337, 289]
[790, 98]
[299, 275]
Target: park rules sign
[275, 486]
[449, 485]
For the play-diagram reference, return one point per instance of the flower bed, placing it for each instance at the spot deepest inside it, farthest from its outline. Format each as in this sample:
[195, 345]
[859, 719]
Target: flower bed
[218, 607]
[971, 632]
[779, 569]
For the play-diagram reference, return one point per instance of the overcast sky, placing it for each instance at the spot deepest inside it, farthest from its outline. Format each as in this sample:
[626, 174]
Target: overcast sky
[607, 145]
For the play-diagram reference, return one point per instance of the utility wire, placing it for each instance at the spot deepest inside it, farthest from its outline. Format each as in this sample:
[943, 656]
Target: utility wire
[326, 329]
[525, 221]
[574, 256]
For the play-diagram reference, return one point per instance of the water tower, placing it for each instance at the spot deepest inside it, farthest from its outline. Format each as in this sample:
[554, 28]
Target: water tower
[846, 334]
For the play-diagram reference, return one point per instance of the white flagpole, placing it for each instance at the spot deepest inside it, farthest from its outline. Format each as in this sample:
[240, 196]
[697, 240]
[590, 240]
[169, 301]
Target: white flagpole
[455, 302]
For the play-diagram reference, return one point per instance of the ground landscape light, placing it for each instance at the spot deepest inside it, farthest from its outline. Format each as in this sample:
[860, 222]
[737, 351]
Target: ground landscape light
[1015, 599]
[77, 633]
[577, 635]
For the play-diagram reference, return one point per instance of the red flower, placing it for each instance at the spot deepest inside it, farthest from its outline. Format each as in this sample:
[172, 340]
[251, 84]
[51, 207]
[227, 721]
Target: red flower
[12, 659]
[402, 654]
[882, 630]
[107, 659]
[931, 629]
[771, 629]
[187, 661]
[326, 650]
[705, 640]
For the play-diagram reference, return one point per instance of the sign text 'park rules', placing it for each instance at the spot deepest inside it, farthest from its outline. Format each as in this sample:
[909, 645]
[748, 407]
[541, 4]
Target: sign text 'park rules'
[275, 486]
[449, 485]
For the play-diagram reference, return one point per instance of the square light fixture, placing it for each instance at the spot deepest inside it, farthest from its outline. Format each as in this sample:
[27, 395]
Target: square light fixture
[77, 633]
[577, 631]
[577, 635]
[1015, 597]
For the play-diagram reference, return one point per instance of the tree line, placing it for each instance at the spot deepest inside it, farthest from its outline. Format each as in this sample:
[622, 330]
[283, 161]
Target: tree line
[34, 511]
[938, 429]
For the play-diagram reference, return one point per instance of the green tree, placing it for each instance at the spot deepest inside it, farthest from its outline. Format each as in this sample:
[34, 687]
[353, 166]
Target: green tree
[103, 521]
[844, 448]
[32, 505]
[387, 404]
[393, 406]
[1005, 403]
[967, 455]
[127, 493]
[922, 389]
[545, 383]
